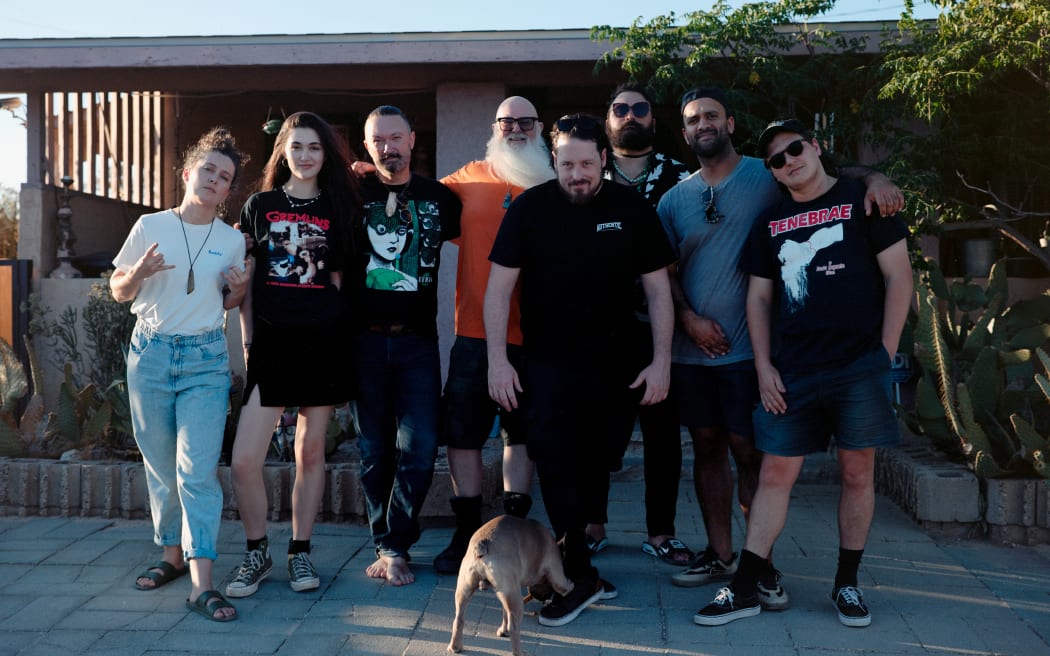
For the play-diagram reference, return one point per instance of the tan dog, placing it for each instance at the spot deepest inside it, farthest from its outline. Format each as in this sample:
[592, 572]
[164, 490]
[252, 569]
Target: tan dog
[509, 553]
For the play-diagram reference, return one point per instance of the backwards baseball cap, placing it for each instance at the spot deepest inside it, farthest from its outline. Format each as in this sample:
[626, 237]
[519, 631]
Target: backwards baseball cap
[714, 93]
[776, 127]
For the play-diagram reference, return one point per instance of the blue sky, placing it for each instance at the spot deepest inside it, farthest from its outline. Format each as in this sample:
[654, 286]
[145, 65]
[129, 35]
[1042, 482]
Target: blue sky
[71, 19]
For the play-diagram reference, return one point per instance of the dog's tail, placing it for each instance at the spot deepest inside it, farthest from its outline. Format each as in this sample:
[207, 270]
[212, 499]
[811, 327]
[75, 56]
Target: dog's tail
[481, 549]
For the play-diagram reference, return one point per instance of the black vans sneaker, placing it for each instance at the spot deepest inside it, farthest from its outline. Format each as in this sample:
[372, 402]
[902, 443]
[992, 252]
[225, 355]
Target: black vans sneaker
[562, 610]
[849, 602]
[727, 607]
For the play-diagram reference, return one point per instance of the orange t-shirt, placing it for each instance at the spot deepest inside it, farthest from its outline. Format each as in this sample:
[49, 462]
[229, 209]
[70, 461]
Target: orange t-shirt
[483, 196]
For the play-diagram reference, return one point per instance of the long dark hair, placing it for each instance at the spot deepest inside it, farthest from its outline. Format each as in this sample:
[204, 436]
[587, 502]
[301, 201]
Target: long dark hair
[334, 177]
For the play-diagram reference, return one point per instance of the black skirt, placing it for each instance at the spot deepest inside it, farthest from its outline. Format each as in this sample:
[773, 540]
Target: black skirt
[303, 365]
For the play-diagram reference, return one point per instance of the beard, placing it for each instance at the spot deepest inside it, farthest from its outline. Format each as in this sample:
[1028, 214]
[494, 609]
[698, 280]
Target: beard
[522, 166]
[718, 146]
[633, 136]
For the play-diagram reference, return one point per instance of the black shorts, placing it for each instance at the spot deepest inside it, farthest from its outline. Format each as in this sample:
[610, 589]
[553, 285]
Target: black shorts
[722, 396]
[468, 412]
[300, 365]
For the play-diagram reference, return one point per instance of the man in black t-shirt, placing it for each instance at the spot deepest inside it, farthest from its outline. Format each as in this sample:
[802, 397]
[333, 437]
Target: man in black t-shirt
[406, 218]
[840, 284]
[578, 244]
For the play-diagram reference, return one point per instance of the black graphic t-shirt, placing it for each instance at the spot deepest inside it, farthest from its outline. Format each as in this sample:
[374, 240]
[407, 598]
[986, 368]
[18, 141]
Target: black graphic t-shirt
[578, 267]
[296, 251]
[397, 277]
[821, 255]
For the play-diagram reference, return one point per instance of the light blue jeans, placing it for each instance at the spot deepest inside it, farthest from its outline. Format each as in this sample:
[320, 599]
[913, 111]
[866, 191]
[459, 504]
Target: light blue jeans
[179, 386]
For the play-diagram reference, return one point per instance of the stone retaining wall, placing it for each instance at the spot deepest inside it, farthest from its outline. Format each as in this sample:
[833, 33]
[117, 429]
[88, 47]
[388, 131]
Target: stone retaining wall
[47, 488]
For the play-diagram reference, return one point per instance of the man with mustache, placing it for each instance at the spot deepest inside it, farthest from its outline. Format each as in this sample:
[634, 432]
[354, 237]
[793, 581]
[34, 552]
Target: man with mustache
[516, 158]
[396, 344]
[578, 244]
[631, 128]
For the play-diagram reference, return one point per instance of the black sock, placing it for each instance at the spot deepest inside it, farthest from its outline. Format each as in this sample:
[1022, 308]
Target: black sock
[517, 504]
[258, 544]
[298, 546]
[751, 568]
[849, 563]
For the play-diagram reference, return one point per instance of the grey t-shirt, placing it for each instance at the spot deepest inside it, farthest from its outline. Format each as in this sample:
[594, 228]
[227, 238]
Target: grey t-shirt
[709, 254]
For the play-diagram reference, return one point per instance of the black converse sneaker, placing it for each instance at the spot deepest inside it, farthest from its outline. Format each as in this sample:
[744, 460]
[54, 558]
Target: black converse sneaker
[255, 567]
[727, 607]
[301, 573]
[849, 602]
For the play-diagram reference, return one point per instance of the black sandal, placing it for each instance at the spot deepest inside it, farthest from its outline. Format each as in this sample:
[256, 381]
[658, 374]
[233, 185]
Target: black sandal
[167, 574]
[209, 602]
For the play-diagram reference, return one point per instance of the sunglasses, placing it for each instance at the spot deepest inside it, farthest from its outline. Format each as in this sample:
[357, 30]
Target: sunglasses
[581, 124]
[526, 123]
[711, 213]
[778, 161]
[639, 109]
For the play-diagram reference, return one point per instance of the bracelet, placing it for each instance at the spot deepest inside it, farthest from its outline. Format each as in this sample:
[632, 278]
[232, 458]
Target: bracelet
[247, 345]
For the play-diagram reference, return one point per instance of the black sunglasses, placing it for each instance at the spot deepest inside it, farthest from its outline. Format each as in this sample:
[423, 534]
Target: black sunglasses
[526, 123]
[639, 109]
[711, 213]
[778, 161]
[581, 124]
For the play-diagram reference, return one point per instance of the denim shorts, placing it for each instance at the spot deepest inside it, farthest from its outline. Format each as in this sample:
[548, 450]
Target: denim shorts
[722, 396]
[853, 403]
[468, 412]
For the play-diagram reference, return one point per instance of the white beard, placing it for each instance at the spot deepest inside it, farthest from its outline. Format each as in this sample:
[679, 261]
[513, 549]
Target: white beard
[525, 166]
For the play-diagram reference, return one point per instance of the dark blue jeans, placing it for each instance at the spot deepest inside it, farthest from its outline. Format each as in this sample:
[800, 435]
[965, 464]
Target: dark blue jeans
[396, 415]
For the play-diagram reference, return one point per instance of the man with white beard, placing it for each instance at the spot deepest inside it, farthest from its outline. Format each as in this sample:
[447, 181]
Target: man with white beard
[516, 158]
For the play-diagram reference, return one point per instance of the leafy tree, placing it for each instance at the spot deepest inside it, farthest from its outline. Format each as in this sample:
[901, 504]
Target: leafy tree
[980, 79]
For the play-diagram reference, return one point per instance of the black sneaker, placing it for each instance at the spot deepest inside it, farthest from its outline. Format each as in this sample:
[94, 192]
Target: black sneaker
[448, 561]
[255, 567]
[771, 594]
[705, 567]
[608, 591]
[727, 607]
[849, 601]
[562, 610]
[301, 573]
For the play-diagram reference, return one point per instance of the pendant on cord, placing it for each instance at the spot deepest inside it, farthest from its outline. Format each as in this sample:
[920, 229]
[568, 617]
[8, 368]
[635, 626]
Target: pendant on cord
[189, 282]
[391, 204]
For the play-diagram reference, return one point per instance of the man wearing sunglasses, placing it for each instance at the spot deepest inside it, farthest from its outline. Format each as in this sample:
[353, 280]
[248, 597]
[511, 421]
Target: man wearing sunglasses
[516, 158]
[631, 128]
[578, 244]
[708, 217]
[842, 282]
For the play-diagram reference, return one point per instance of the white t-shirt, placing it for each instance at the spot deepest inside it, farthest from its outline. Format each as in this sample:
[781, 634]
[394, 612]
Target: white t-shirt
[162, 302]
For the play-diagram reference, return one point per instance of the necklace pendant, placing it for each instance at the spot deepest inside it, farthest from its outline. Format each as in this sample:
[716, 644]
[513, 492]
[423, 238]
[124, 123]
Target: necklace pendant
[506, 201]
[391, 204]
[189, 282]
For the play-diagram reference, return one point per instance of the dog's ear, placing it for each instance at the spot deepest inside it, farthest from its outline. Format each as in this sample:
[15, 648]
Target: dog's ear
[541, 591]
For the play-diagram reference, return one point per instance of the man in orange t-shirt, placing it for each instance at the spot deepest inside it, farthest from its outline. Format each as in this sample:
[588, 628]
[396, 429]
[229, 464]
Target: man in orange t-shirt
[516, 158]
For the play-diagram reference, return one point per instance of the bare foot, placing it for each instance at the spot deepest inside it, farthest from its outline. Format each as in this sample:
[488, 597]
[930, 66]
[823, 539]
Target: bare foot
[392, 568]
[377, 570]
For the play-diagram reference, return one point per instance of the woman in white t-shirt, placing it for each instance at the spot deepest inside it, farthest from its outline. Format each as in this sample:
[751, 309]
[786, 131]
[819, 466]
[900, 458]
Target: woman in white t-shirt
[183, 268]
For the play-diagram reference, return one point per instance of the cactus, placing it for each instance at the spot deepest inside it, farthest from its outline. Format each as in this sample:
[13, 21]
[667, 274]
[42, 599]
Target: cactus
[981, 395]
[22, 436]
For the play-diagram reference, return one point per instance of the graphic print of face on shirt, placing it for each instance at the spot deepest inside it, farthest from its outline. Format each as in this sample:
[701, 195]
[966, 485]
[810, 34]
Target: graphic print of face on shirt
[296, 254]
[393, 262]
[796, 256]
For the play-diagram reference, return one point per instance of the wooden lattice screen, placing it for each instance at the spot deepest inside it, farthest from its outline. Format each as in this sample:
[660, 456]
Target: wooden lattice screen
[109, 142]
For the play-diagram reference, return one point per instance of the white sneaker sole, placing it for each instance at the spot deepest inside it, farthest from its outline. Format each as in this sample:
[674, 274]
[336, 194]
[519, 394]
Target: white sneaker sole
[719, 620]
[246, 590]
[305, 584]
[855, 622]
[568, 617]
